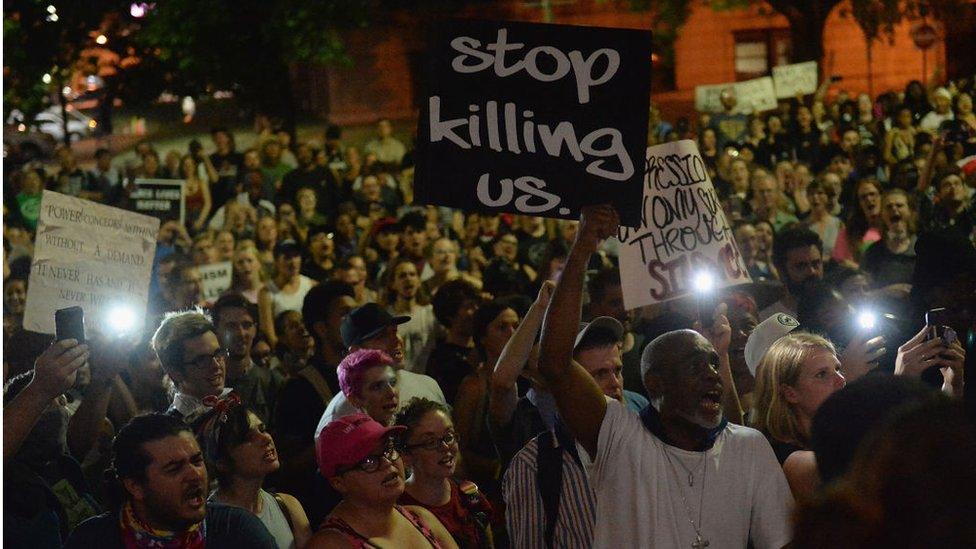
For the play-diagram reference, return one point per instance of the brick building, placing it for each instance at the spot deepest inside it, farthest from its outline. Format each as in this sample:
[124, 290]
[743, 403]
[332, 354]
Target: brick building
[713, 47]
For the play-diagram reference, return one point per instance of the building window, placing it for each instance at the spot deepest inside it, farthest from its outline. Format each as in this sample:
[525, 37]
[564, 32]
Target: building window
[758, 51]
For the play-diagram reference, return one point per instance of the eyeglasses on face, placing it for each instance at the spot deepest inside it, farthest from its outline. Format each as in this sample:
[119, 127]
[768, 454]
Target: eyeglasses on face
[435, 443]
[372, 462]
[204, 361]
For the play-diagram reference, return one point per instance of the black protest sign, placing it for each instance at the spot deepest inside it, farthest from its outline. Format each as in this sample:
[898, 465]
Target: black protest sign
[159, 198]
[534, 119]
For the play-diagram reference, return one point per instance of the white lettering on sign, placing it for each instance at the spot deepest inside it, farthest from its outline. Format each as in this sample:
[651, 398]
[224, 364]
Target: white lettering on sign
[602, 143]
[532, 187]
[583, 69]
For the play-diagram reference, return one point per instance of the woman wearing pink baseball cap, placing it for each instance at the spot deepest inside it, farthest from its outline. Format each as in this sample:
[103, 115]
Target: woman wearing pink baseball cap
[359, 458]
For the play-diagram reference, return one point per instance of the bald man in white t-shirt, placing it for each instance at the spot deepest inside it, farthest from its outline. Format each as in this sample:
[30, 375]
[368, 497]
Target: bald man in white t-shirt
[677, 475]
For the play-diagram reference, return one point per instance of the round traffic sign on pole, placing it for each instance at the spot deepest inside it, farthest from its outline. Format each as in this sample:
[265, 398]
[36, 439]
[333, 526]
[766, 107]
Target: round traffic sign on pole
[924, 36]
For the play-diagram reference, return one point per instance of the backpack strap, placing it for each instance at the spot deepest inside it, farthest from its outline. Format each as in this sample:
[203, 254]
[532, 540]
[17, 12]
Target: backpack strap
[284, 509]
[549, 480]
[318, 383]
[475, 502]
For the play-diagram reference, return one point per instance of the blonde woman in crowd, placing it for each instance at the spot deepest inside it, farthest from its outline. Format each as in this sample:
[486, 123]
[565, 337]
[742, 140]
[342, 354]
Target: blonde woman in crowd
[795, 376]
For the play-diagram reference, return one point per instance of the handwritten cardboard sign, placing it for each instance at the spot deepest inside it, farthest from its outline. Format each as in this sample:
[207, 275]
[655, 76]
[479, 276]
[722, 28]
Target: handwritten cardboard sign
[91, 255]
[215, 279]
[534, 119]
[163, 199]
[795, 79]
[756, 95]
[683, 231]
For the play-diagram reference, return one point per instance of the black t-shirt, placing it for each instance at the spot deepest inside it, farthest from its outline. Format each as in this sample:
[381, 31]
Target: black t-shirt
[227, 527]
[806, 146]
[319, 180]
[526, 424]
[889, 268]
[259, 389]
[532, 249]
[448, 364]
[315, 271]
[228, 168]
[782, 450]
[299, 407]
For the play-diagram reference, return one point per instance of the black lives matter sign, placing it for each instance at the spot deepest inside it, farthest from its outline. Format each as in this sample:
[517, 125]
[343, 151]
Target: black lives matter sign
[535, 119]
[159, 198]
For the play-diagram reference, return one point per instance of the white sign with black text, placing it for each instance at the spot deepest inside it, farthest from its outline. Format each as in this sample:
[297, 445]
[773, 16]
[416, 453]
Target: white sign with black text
[683, 231]
[90, 255]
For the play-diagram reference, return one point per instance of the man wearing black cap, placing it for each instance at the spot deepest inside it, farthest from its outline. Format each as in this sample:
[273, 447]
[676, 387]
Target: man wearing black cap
[371, 327]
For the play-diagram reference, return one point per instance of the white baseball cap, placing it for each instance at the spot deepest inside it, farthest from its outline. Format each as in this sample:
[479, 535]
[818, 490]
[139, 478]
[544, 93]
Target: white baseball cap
[764, 335]
[604, 322]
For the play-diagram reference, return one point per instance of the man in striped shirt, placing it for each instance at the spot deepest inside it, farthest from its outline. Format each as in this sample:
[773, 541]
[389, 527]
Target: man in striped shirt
[547, 495]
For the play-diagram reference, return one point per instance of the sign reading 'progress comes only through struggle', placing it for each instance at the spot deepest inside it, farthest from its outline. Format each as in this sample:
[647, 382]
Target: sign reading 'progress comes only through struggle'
[535, 119]
[683, 231]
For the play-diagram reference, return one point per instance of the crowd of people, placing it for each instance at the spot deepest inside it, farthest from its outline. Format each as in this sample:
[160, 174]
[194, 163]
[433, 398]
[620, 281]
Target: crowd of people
[383, 373]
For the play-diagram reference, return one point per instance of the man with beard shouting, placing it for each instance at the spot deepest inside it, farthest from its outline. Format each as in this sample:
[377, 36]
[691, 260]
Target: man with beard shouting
[678, 474]
[163, 485]
[798, 256]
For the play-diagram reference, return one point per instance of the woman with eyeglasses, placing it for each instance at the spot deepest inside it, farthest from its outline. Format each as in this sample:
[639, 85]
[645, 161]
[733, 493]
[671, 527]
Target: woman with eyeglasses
[429, 445]
[358, 457]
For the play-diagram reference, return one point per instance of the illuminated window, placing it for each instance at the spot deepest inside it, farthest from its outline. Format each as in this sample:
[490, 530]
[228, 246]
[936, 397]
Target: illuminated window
[758, 51]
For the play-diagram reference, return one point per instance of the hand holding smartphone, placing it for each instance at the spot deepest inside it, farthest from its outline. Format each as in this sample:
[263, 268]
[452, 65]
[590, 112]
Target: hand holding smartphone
[937, 326]
[69, 323]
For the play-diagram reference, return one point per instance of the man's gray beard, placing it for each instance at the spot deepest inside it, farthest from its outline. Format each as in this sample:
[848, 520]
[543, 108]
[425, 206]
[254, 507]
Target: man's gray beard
[897, 235]
[700, 421]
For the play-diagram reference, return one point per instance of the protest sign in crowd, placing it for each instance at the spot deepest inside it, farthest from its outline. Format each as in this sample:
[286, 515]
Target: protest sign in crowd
[750, 328]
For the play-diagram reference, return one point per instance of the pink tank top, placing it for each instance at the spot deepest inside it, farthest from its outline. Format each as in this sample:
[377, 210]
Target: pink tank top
[358, 541]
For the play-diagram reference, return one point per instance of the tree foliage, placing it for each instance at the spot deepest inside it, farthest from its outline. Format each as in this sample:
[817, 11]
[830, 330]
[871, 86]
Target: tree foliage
[182, 46]
[248, 45]
[807, 18]
[37, 41]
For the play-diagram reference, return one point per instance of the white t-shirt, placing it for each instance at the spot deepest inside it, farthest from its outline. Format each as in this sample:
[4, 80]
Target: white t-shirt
[932, 120]
[418, 335]
[638, 501]
[411, 385]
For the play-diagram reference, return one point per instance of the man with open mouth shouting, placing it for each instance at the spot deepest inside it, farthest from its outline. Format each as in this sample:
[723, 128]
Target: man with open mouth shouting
[162, 483]
[678, 474]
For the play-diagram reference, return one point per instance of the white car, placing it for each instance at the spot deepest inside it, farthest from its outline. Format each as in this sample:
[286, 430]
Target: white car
[79, 126]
